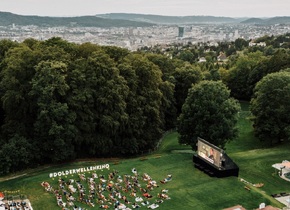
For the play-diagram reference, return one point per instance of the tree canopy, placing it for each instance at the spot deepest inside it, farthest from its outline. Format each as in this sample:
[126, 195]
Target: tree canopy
[209, 113]
[63, 101]
[270, 107]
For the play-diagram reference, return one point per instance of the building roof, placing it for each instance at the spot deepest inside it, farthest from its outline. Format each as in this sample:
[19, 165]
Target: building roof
[268, 208]
[237, 207]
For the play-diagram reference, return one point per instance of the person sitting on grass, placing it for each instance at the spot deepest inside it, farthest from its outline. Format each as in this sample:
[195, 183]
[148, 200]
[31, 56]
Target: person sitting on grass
[94, 176]
[122, 206]
[124, 198]
[133, 193]
[145, 203]
[119, 179]
[110, 176]
[90, 202]
[164, 191]
[147, 195]
[82, 177]
[104, 206]
[102, 197]
[138, 199]
[146, 177]
[70, 197]
[135, 206]
[134, 171]
[163, 196]
[143, 190]
[167, 179]
[46, 186]
[70, 203]
[153, 206]
[61, 203]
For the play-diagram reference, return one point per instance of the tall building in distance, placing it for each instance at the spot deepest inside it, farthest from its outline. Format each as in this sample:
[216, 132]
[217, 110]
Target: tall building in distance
[237, 34]
[180, 31]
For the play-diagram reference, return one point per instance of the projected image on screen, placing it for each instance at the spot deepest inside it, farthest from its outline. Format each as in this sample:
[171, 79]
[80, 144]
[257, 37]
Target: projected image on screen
[209, 152]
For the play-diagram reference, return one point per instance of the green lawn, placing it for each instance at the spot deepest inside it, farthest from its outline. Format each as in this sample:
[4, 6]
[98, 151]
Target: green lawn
[189, 188]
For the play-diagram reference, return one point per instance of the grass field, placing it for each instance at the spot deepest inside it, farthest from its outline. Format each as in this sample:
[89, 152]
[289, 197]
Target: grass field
[189, 188]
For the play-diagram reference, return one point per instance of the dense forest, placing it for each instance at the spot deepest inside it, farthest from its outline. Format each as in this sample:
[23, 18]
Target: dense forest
[61, 101]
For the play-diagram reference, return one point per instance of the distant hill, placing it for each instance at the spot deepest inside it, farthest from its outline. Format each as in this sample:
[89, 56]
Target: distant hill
[128, 20]
[159, 19]
[254, 21]
[268, 21]
[7, 18]
[281, 20]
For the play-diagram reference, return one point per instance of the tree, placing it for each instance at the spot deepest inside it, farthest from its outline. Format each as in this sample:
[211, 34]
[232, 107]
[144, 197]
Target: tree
[116, 53]
[280, 60]
[239, 75]
[67, 47]
[15, 85]
[15, 154]
[212, 74]
[209, 113]
[54, 127]
[168, 110]
[97, 95]
[145, 125]
[5, 45]
[188, 56]
[240, 44]
[270, 107]
[184, 78]
[166, 65]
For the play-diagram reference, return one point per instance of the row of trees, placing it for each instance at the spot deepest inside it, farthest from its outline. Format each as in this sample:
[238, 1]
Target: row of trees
[62, 101]
[249, 68]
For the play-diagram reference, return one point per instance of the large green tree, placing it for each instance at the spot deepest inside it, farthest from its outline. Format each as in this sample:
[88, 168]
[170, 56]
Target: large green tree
[209, 113]
[167, 66]
[97, 96]
[270, 107]
[54, 128]
[239, 75]
[15, 154]
[280, 60]
[184, 77]
[145, 124]
[18, 71]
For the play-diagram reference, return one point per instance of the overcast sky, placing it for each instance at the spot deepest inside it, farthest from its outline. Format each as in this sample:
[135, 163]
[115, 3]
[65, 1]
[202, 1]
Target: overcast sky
[229, 8]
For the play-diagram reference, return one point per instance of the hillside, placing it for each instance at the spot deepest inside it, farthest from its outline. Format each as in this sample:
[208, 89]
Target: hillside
[7, 18]
[254, 21]
[159, 19]
[129, 20]
[268, 21]
[279, 20]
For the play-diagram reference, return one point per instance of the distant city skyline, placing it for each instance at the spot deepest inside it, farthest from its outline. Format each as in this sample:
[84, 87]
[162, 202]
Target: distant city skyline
[226, 8]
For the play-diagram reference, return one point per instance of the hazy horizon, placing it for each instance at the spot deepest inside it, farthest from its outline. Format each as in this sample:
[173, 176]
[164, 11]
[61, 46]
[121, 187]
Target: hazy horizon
[220, 8]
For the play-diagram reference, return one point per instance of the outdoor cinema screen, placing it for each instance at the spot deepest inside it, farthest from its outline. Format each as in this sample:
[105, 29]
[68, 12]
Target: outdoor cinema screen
[209, 152]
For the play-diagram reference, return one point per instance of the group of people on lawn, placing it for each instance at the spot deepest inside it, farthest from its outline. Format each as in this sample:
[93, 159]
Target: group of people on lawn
[119, 192]
[15, 205]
